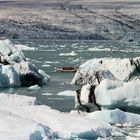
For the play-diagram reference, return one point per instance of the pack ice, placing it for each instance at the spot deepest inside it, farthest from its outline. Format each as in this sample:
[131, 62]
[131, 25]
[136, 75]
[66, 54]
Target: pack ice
[21, 118]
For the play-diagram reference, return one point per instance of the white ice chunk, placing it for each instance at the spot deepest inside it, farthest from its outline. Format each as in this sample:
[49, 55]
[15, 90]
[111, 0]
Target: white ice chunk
[47, 94]
[114, 94]
[34, 87]
[15, 70]
[24, 47]
[68, 54]
[67, 93]
[46, 65]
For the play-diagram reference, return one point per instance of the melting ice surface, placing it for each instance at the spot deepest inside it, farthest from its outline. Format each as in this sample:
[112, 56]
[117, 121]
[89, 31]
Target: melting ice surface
[47, 53]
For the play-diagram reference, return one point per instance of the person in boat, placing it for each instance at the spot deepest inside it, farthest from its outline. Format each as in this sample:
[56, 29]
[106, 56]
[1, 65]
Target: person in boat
[68, 68]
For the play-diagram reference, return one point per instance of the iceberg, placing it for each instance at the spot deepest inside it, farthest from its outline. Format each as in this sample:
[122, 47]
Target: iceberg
[113, 102]
[110, 95]
[114, 94]
[95, 70]
[15, 70]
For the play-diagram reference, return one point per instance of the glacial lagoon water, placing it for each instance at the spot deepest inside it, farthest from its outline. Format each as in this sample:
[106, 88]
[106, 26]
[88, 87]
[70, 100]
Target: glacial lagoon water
[49, 54]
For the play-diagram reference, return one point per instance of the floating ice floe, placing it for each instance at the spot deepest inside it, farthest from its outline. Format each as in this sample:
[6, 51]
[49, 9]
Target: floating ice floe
[47, 94]
[28, 121]
[45, 65]
[24, 47]
[68, 54]
[15, 70]
[96, 49]
[62, 46]
[95, 70]
[76, 60]
[67, 93]
[34, 87]
[50, 62]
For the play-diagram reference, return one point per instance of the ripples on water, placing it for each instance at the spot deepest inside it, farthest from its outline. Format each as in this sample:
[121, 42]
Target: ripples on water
[50, 54]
